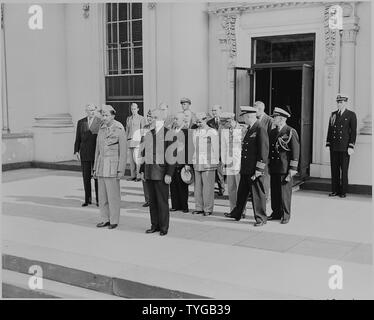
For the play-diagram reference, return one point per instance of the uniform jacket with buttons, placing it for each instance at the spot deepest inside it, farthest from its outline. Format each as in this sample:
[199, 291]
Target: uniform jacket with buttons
[111, 150]
[267, 122]
[153, 149]
[342, 131]
[255, 150]
[284, 150]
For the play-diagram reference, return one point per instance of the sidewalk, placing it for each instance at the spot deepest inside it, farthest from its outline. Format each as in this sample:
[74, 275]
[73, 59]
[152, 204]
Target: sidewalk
[203, 256]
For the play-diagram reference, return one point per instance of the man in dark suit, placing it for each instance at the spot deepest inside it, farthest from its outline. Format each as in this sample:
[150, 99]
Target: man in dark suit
[214, 123]
[178, 188]
[267, 122]
[157, 173]
[255, 151]
[341, 139]
[284, 160]
[84, 149]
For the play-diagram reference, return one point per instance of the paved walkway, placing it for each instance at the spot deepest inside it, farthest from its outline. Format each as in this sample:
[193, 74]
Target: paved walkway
[209, 256]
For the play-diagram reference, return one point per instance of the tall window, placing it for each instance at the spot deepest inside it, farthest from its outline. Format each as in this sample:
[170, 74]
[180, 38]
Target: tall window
[124, 57]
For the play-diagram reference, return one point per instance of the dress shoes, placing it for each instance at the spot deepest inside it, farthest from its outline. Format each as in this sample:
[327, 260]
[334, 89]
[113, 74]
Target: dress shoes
[138, 179]
[243, 215]
[97, 204]
[333, 194]
[163, 233]
[84, 204]
[284, 221]
[172, 209]
[220, 193]
[112, 226]
[271, 217]
[207, 214]
[145, 205]
[185, 210]
[103, 224]
[131, 179]
[151, 230]
[259, 223]
[197, 212]
[229, 215]
[343, 195]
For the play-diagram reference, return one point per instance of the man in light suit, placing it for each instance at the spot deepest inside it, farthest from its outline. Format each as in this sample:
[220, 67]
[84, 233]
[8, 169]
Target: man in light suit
[84, 149]
[109, 167]
[157, 172]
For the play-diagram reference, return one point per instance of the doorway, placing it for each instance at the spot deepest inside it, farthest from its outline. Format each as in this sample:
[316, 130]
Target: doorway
[282, 74]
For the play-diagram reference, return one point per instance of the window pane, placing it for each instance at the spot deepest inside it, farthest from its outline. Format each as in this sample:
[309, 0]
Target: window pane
[115, 60]
[285, 48]
[108, 34]
[136, 10]
[123, 11]
[138, 58]
[125, 61]
[137, 30]
[123, 32]
[108, 12]
[114, 12]
[114, 28]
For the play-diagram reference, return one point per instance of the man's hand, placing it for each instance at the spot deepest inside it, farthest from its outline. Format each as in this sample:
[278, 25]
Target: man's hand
[94, 174]
[350, 151]
[77, 155]
[167, 179]
[291, 173]
[256, 175]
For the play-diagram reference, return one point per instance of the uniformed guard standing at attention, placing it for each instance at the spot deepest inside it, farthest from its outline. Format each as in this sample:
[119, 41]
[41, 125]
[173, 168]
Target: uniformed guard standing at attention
[109, 167]
[283, 162]
[341, 139]
[255, 152]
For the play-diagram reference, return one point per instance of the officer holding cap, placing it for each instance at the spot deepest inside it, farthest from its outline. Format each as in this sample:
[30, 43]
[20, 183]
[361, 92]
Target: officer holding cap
[255, 152]
[341, 139]
[283, 162]
[109, 166]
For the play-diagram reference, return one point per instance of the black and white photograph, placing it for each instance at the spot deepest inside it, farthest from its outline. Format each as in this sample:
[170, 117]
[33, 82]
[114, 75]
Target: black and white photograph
[186, 151]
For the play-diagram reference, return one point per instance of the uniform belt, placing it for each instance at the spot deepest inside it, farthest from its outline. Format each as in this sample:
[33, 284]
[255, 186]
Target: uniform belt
[112, 144]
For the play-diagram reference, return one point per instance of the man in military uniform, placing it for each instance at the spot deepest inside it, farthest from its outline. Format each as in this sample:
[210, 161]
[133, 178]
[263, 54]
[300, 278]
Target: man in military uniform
[341, 139]
[255, 152]
[109, 166]
[283, 163]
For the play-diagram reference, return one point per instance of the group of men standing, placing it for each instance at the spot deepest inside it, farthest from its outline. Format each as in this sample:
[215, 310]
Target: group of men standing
[259, 159]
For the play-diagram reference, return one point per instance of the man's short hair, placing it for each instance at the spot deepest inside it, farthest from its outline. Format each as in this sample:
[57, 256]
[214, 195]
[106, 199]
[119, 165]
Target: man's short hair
[260, 105]
[107, 107]
[90, 106]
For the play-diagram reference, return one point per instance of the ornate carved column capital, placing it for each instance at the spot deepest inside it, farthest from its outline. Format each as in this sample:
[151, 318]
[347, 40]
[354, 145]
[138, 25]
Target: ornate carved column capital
[228, 22]
[350, 30]
[330, 38]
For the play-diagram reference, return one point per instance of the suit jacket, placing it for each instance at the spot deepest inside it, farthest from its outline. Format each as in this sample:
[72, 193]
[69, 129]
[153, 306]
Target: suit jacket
[85, 138]
[284, 150]
[153, 148]
[206, 149]
[342, 131]
[181, 145]
[255, 150]
[212, 123]
[111, 150]
[267, 123]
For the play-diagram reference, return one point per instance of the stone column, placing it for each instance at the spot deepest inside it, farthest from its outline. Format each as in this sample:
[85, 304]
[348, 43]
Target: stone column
[189, 55]
[53, 127]
[4, 89]
[348, 52]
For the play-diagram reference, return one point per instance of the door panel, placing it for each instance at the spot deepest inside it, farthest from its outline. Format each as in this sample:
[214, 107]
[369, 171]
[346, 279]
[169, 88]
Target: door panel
[306, 134]
[243, 89]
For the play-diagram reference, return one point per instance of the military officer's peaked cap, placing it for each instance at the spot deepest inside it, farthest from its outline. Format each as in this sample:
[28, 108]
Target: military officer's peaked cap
[342, 97]
[226, 115]
[281, 112]
[247, 109]
[109, 108]
[183, 100]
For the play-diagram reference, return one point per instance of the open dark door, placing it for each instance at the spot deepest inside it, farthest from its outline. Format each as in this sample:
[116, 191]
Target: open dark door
[306, 125]
[243, 89]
